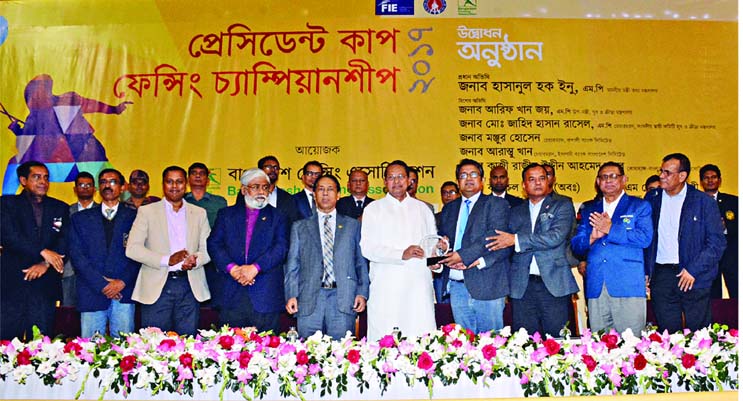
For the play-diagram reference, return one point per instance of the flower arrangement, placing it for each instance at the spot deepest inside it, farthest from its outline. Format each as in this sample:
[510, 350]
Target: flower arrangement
[242, 361]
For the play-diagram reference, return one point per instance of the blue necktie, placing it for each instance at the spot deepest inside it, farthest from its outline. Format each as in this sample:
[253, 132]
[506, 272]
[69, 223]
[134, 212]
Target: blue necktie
[464, 214]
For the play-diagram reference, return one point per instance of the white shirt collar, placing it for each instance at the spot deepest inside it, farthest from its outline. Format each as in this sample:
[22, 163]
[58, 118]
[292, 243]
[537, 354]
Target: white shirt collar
[104, 208]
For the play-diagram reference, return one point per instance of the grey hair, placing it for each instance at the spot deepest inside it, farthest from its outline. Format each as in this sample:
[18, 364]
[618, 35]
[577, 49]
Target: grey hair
[251, 174]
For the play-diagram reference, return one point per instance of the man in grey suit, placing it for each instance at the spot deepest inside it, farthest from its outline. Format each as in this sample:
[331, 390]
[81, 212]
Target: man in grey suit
[326, 280]
[540, 278]
[84, 190]
[476, 279]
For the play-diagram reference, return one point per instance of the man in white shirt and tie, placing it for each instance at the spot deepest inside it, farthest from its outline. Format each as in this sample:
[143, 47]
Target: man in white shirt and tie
[305, 199]
[354, 204]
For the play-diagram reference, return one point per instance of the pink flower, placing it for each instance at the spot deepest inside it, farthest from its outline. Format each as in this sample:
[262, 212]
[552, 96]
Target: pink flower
[524, 379]
[539, 354]
[706, 343]
[448, 328]
[314, 369]
[489, 352]
[387, 341]
[456, 343]
[226, 342]
[589, 361]
[353, 356]
[551, 346]
[688, 360]
[424, 361]
[23, 357]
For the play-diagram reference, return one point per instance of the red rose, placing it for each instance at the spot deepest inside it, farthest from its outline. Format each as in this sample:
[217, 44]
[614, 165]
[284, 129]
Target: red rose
[255, 337]
[23, 358]
[186, 360]
[244, 359]
[610, 340]
[489, 352]
[424, 361]
[456, 343]
[128, 363]
[302, 357]
[589, 361]
[167, 344]
[72, 347]
[274, 341]
[734, 332]
[226, 342]
[640, 362]
[688, 360]
[655, 337]
[448, 328]
[470, 335]
[4, 343]
[353, 356]
[551, 346]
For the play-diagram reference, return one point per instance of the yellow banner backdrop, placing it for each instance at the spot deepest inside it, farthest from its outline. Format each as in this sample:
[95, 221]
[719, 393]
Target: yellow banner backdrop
[228, 82]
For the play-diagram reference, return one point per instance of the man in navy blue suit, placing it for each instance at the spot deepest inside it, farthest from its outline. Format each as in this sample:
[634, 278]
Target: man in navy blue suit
[327, 279]
[33, 240]
[475, 278]
[687, 245]
[248, 245]
[541, 281]
[614, 230]
[105, 276]
[304, 199]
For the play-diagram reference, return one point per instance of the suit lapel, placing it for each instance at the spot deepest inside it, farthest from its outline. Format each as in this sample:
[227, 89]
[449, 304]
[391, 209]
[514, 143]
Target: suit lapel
[475, 213]
[543, 210]
[620, 210]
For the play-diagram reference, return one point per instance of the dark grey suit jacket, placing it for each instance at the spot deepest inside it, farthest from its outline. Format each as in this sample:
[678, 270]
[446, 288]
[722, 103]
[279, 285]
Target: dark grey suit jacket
[304, 265]
[547, 244]
[487, 215]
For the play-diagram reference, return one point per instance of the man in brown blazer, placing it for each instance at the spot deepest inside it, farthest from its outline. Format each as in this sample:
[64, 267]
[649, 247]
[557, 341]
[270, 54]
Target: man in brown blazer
[169, 239]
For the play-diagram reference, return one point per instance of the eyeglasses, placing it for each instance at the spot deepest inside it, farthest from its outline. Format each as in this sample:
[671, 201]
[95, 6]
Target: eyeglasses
[450, 193]
[609, 177]
[313, 173]
[270, 167]
[111, 182]
[85, 185]
[256, 187]
[473, 174]
[666, 172]
[398, 177]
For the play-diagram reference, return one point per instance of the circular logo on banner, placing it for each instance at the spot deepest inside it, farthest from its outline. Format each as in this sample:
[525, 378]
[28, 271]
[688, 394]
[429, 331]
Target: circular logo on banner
[3, 29]
[434, 6]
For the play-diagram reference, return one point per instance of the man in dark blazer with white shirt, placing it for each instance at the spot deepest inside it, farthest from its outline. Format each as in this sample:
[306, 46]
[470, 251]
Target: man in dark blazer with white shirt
[33, 239]
[541, 280]
[326, 281]
[688, 242]
[475, 278]
[304, 199]
[711, 178]
[353, 205]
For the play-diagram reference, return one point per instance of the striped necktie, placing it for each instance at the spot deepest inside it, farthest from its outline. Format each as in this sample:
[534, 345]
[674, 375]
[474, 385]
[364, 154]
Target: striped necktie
[328, 276]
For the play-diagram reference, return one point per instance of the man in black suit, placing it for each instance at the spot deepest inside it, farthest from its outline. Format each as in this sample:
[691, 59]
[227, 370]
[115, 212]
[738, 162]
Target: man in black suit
[499, 186]
[277, 197]
[33, 240]
[710, 177]
[354, 204]
[476, 279]
[305, 199]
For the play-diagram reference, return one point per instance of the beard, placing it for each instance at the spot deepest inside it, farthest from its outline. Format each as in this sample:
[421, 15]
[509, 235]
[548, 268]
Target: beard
[256, 202]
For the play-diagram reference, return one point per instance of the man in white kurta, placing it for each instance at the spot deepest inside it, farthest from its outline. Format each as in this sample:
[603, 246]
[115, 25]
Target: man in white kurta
[401, 288]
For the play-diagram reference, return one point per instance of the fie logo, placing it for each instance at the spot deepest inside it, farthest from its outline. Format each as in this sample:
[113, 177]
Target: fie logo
[394, 7]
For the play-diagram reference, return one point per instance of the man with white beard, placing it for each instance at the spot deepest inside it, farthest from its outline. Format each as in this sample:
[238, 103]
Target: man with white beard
[249, 244]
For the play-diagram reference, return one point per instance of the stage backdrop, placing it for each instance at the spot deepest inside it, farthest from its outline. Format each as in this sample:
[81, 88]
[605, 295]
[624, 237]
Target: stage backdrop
[361, 83]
